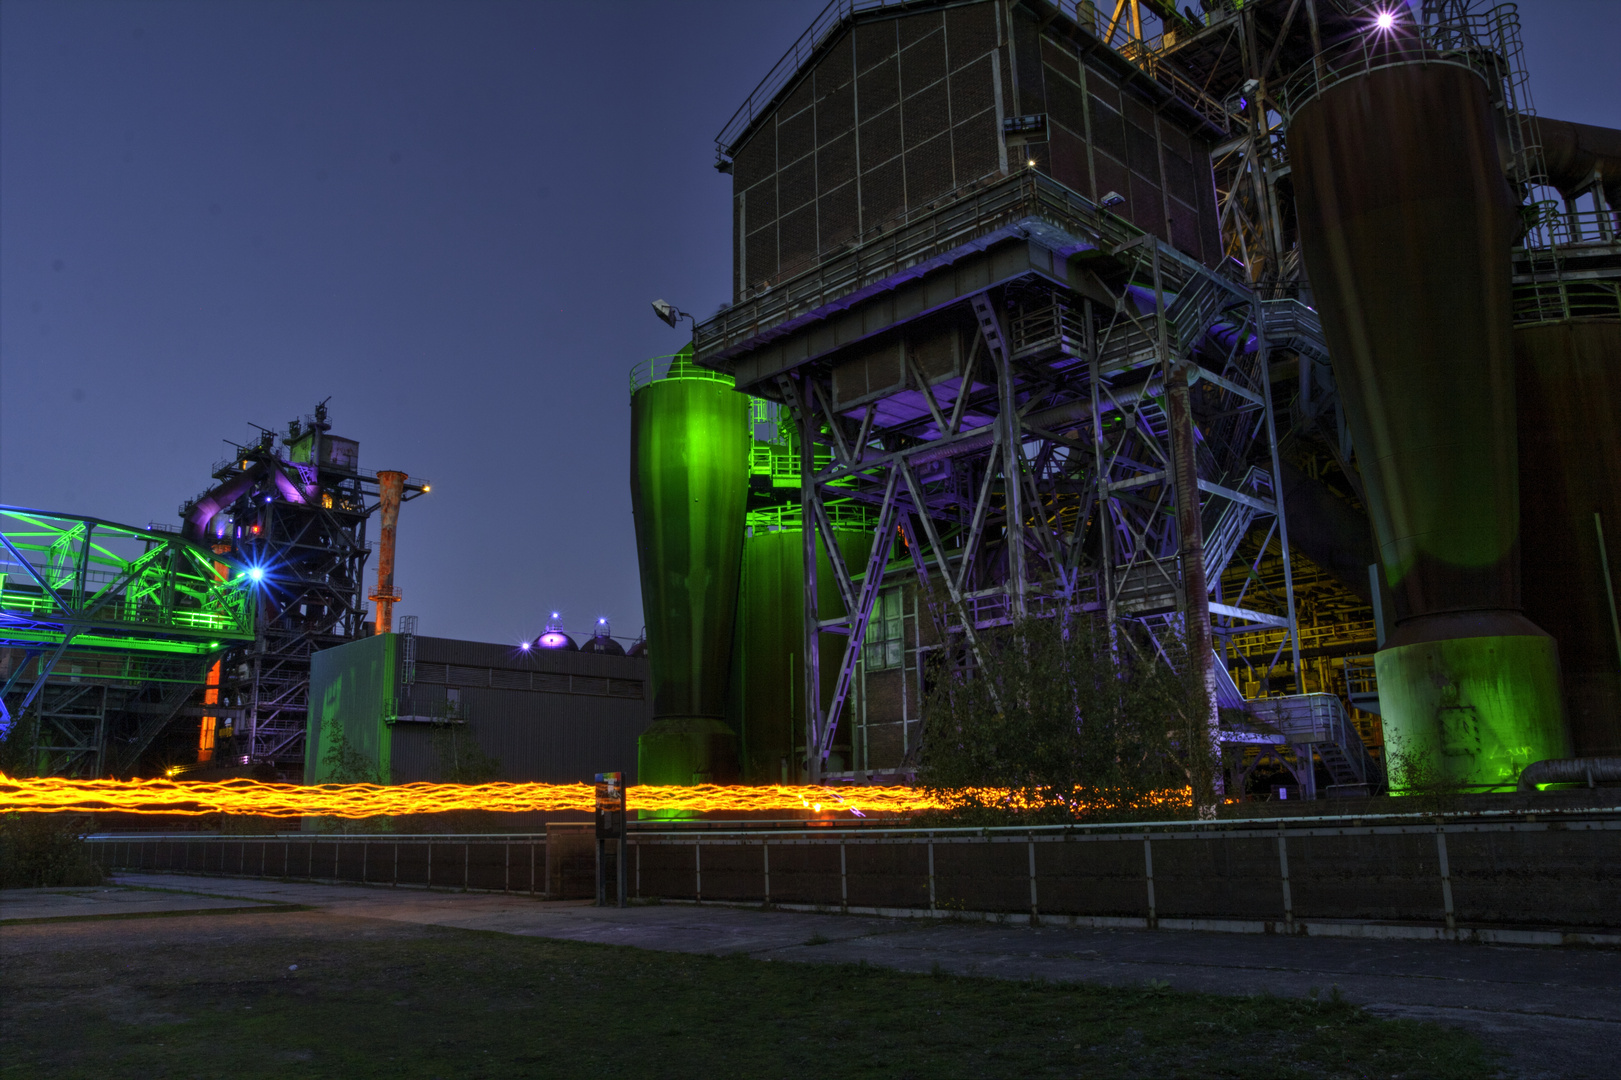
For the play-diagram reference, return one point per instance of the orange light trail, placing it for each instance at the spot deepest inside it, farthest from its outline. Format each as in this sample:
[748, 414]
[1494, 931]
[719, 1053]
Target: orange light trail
[375, 800]
[48, 795]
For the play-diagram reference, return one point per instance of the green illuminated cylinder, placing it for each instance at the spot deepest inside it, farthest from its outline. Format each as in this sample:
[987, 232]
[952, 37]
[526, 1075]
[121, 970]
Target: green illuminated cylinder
[1470, 708]
[1405, 227]
[770, 655]
[689, 483]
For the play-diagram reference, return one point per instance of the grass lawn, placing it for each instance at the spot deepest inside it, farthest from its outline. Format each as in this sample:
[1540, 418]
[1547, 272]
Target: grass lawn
[219, 996]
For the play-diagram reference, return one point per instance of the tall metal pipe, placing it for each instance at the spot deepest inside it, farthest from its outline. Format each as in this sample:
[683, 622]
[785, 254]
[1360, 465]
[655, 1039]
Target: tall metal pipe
[390, 487]
[1406, 222]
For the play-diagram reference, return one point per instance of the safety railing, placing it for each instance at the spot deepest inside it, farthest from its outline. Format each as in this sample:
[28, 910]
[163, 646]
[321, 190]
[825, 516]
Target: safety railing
[1476, 43]
[1537, 302]
[1557, 226]
[841, 514]
[674, 367]
[829, 20]
[65, 576]
[1264, 641]
[916, 236]
[1150, 56]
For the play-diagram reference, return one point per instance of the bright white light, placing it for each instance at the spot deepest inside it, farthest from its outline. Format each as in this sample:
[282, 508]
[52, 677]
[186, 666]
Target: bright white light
[1385, 20]
[256, 573]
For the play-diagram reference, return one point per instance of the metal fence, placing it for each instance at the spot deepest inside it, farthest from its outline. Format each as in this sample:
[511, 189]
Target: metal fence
[557, 863]
[1554, 873]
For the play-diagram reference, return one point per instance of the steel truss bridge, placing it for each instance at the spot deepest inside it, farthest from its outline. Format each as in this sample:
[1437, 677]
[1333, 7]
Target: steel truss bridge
[106, 631]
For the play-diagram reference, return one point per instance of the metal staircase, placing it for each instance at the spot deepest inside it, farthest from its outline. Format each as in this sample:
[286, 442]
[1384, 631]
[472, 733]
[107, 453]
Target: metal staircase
[1312, 726]
[175, 696]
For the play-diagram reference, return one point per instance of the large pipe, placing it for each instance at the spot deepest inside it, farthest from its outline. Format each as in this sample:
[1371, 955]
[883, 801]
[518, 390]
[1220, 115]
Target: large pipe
[1576, 154]
[205, 509]
[1589, 771]
[1406, 222]
[390, 487]
[1327, 530]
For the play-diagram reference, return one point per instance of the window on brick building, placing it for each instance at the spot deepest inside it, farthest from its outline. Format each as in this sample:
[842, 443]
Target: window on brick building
[885, 636]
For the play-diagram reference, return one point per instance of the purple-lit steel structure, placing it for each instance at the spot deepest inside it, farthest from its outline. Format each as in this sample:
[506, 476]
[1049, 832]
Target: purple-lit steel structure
[293, 508]
[1031, 274]
[1056, 405]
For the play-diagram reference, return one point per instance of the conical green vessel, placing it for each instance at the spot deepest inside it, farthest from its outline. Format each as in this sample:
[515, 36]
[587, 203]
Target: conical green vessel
[689, 485]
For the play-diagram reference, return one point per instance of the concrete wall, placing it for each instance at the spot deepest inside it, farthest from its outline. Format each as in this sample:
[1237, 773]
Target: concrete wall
[543, 715]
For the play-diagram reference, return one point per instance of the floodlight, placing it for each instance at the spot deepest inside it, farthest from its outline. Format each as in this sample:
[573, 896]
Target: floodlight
[1113, 198]
[668, 312]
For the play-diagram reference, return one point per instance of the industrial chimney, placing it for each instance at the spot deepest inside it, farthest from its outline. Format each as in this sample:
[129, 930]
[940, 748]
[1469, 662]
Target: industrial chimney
[390, 487]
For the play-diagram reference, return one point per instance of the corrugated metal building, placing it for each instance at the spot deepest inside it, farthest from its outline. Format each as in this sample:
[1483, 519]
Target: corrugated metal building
[542, 715]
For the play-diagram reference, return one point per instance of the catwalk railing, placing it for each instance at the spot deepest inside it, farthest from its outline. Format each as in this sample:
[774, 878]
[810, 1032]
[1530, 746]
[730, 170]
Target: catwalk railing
[917, 236]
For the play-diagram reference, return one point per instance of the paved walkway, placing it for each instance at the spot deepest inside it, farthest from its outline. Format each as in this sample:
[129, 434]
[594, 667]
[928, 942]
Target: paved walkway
[117, 901]
[1556, 1011]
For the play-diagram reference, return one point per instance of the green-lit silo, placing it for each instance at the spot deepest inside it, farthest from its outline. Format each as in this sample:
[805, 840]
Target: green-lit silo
[689, 484]
[1405, 226]
[769, 705]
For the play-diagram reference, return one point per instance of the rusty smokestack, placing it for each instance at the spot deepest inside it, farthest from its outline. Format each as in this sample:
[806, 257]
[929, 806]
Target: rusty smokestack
[390, 487]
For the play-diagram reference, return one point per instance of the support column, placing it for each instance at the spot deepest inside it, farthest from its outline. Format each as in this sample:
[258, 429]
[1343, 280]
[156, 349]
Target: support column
[1190, 536]
[808, 498]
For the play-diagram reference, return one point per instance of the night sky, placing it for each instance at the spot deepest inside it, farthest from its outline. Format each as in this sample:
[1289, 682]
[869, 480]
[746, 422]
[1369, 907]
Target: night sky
[448, 217]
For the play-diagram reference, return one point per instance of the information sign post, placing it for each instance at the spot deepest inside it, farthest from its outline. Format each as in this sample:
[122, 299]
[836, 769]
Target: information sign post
[610, 826]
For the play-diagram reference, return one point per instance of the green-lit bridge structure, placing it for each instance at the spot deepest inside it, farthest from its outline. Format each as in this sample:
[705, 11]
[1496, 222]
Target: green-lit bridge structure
[106, 634]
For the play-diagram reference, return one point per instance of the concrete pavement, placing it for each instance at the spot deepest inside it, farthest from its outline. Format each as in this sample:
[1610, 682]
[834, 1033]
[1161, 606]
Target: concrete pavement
[116, 901]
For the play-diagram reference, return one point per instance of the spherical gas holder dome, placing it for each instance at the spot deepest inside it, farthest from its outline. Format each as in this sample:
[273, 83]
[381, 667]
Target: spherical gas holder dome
[554, 638]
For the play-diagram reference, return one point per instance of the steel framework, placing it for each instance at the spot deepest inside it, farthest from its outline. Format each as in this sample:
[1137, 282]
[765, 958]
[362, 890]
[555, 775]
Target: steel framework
[105, 632]
[293, 509]
[1103, 445]
[1109, 441]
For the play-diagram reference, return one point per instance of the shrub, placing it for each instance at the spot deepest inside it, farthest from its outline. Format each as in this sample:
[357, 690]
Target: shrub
[1071, 720]
[44, 851]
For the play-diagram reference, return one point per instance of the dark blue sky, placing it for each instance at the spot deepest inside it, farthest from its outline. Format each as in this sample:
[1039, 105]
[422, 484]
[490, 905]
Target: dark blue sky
[449, 217]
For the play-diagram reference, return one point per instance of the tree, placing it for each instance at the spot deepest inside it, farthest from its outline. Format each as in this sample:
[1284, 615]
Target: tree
[461, 761]
[1071, 720]
[344, 763]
